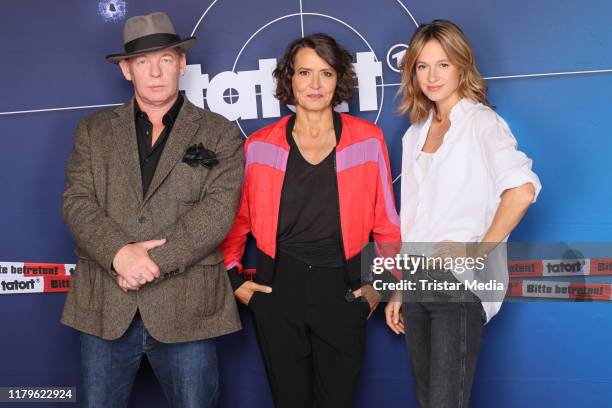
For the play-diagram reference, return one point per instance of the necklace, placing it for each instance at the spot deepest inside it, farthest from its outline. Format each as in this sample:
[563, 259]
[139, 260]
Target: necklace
[296, 137]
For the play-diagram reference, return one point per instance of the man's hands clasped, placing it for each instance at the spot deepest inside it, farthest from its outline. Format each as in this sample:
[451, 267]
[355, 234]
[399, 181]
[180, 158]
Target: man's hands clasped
[134, 266]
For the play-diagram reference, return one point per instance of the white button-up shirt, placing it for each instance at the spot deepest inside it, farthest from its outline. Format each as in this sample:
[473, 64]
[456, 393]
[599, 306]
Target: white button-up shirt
[458, 197]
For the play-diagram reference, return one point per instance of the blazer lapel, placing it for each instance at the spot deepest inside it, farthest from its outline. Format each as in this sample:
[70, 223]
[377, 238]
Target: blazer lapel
[124, 132]
[182, 133]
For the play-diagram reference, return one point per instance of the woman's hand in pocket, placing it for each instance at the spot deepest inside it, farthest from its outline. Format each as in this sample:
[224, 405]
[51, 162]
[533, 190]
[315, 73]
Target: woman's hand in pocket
[245, 292]
[370, 295]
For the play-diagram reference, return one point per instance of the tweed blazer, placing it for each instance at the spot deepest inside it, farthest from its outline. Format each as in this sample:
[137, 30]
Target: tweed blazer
[192, 207]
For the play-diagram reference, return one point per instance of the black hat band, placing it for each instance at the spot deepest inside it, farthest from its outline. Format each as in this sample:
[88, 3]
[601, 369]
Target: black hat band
[151, 41]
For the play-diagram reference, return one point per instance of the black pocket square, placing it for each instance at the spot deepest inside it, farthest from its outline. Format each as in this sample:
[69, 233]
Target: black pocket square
[198, 154]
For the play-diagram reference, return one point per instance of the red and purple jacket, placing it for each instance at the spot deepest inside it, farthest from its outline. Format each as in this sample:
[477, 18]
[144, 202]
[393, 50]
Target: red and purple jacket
[365, 193]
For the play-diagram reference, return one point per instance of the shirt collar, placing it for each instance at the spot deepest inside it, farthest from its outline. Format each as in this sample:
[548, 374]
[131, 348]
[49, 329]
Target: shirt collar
[170, 116]
[461, 108]
[457, 112]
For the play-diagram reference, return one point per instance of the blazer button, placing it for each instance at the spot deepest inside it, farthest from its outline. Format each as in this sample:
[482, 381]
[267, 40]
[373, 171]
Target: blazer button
[142, 220]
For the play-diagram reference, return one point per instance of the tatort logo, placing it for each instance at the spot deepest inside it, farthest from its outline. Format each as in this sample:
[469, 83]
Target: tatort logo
[17, 285]
[245, 84]
[564, 267]
[230, 70]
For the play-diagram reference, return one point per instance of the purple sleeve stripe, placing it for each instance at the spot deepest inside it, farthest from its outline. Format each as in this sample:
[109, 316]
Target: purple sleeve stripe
[267, 154]
[369, 150]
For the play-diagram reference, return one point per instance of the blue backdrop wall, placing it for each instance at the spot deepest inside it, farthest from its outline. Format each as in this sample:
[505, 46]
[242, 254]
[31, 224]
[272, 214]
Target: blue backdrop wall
[534, 354]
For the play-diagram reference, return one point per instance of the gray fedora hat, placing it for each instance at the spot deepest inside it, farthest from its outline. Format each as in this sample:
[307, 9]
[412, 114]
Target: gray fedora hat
[150, 33]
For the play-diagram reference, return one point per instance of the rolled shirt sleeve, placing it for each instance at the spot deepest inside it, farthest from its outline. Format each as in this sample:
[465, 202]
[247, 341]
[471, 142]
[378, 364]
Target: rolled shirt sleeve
[510, 167]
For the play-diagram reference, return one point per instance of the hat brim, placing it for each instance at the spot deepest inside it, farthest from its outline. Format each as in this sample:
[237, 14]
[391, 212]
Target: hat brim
[185, 44]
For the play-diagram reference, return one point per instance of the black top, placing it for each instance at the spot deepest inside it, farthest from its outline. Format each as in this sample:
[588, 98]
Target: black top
[149, 155]
[309, 219]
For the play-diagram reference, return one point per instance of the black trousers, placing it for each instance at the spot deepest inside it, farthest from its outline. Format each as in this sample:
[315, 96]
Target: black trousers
[311, 339]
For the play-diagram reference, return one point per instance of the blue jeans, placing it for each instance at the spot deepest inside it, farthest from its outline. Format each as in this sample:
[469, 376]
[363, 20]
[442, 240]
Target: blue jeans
[187, 371]
[443, 335]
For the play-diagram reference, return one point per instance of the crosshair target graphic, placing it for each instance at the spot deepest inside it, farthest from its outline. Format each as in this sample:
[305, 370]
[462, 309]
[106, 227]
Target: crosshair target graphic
[275, 34]
[302, 16]
[112, 10]
[238, 55]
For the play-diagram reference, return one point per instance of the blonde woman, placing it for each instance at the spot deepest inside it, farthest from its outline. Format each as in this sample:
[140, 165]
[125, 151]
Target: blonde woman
[463, 181]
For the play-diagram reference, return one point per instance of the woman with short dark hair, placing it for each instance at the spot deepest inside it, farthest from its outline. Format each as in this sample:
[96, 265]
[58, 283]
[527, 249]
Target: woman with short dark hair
[317, 184]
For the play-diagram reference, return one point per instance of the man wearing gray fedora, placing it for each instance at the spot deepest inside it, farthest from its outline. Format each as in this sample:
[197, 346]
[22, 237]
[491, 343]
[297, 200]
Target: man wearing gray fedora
[152, 189]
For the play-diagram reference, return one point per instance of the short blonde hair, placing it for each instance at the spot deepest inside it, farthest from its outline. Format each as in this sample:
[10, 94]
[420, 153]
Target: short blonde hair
[460, 54]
